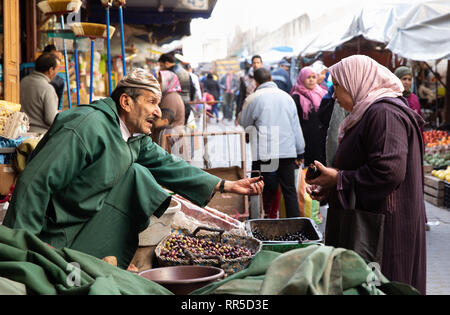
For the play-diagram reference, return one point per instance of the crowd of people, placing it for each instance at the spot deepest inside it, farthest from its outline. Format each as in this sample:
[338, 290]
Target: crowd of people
[361, 127]
[357, 122]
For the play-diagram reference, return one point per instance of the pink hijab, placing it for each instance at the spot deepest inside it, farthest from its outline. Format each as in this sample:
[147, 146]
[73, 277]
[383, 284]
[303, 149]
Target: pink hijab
[366, 81]
[169, 82]
[309, 99]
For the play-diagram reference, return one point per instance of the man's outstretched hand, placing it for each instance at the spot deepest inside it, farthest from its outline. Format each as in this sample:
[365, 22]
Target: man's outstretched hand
[247, 186]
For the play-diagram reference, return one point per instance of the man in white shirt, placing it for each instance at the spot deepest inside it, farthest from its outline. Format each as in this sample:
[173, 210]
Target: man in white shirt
[37, 96]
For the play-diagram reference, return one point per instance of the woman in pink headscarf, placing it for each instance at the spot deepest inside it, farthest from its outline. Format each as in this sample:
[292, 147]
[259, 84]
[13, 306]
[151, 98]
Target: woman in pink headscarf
[380, 155]
[171, 99]
[307, 96]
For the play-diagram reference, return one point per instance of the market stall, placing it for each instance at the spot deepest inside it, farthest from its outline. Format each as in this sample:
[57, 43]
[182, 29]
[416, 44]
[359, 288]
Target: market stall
[99, 61]
[14, 138]
[393, 35]
[279, 256]
[437, 167]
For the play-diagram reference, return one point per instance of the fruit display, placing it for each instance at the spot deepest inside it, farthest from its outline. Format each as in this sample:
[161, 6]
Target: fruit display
[434, 138]
[442, 174]
[437, 148]
[181, 246]
[288, 237]
[437, 160]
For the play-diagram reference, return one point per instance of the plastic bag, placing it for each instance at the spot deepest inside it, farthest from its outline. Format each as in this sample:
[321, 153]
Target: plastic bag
[308, 208]
[191, 122]
[191, 216]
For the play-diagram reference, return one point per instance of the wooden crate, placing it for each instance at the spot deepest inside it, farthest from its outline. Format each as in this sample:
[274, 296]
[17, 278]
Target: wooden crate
[433, 182]
[434, 189]
[438, 202]
[427, 168]
[438, 193]
[233, 205]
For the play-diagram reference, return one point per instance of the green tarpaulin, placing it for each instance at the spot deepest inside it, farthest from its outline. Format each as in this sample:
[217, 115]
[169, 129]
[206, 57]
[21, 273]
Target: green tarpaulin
[24, 259]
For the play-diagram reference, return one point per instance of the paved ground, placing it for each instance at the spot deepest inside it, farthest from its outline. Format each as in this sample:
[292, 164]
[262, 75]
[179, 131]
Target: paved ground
[438, 251]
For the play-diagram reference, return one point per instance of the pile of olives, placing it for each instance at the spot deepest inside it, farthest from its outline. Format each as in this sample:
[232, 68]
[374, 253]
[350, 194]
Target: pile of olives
[297, 237]
[179, 246]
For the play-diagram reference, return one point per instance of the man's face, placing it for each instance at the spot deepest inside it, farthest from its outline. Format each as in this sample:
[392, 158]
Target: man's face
[257, 63]
[165, 65]
[58, 54]
[160, 123]
[140, 115]
[52, 72]
[162, 65]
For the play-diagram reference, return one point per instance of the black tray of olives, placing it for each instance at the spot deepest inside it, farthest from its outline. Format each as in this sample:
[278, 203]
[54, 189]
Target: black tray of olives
[284, 231]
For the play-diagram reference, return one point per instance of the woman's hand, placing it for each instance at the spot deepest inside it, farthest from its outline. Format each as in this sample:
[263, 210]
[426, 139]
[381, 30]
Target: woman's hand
[317, 192]
[327, 179]
[247, 186]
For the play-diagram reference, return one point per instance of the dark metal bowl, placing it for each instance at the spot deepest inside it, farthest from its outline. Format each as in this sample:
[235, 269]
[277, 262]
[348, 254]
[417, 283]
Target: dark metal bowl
[183, 280]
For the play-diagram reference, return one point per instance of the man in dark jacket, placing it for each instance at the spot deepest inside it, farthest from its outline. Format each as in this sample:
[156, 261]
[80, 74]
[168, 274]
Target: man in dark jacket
[229, 85]
[281, 76]
[167, 62]
[58, 83]
[212, 86]
[247, 84]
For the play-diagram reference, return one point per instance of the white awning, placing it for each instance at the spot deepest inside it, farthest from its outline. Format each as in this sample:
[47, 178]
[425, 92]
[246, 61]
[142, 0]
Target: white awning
[418, 30]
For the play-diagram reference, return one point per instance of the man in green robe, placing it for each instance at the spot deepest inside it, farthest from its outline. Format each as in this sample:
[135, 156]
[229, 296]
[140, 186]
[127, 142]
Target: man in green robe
[95, 178]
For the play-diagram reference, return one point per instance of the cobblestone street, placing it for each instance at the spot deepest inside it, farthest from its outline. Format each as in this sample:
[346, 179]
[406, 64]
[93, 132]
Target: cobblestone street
[438, 251]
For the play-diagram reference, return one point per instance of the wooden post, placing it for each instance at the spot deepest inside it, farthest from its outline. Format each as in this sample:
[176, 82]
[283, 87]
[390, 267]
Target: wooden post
[205, 139]
[31, 35]
[244, 169]
[11, 44]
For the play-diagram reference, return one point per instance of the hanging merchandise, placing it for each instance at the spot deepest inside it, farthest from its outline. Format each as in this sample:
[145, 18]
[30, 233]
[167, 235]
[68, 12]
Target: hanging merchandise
[59, 8]
[108, 4]
[120, 4]
[100, 65]
[93, 31]
[82, 66]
